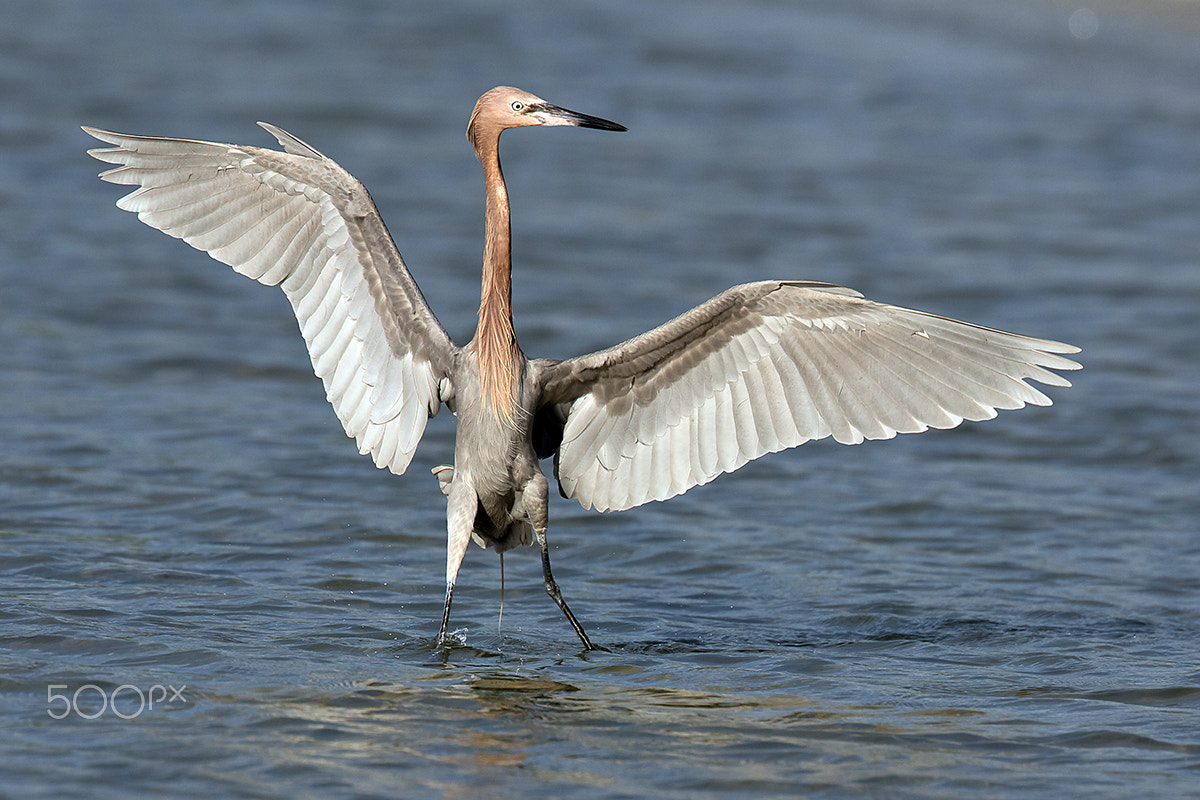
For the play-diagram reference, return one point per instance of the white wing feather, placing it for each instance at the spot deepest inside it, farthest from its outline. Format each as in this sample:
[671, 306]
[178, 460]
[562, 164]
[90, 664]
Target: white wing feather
[298, 220]
[768, 366]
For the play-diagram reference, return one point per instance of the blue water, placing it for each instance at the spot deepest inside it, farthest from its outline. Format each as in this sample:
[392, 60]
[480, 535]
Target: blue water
[1010, 609]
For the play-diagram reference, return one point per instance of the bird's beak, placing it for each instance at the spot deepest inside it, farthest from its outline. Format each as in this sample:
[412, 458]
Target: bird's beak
[548, 114]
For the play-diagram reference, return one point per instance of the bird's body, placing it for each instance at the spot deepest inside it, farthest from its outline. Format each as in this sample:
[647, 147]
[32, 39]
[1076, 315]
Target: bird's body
[761, 367]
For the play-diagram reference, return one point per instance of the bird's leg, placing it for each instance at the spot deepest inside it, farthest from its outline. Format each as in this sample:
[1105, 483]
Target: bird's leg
[441, 640]
[460, 519]
[500, 618]
[536, 497]
[556, 595]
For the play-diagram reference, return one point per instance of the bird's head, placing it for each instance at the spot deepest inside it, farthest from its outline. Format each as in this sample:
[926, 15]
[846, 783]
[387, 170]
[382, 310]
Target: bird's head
[506, 107]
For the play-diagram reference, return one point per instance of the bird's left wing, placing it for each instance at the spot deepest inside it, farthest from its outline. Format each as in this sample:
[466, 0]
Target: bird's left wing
[766, 366]
[298, 219]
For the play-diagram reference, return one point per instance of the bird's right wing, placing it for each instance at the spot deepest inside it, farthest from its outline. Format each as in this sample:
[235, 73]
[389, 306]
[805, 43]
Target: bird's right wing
[765, 366]
[298, 219]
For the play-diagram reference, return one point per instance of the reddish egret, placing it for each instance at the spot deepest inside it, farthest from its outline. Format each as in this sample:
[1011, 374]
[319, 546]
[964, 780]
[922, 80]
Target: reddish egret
[759, 368]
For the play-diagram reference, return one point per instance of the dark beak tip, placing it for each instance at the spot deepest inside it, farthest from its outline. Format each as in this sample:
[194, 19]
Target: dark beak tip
[602, 124]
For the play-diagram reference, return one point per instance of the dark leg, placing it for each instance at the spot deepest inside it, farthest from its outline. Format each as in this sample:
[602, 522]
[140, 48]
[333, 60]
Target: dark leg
[445, 616]
[555, 594]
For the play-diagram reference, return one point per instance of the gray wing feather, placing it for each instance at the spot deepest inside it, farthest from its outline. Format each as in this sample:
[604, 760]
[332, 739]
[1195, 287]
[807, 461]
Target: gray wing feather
[298, 220]
[770, 365]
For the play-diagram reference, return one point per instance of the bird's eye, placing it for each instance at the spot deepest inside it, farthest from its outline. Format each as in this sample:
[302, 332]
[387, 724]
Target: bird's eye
[517, 106]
